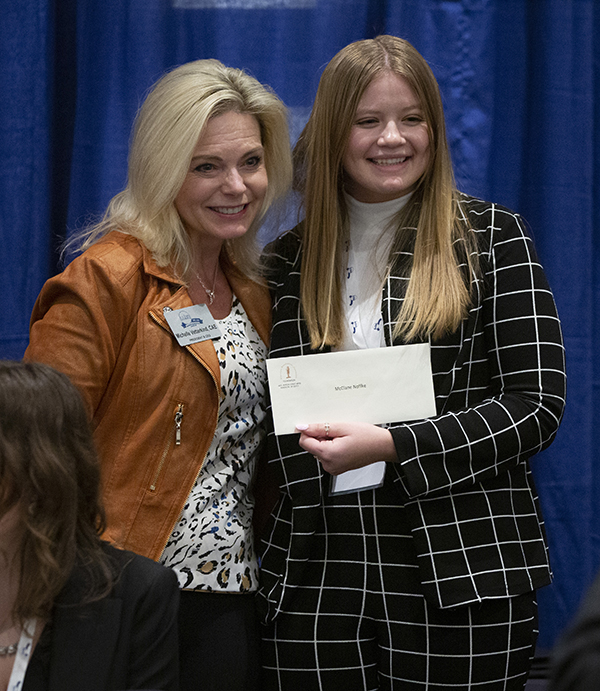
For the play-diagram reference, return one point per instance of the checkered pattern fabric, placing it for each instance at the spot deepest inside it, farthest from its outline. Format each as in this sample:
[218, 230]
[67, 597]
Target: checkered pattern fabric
[462, 482]
[359, 620]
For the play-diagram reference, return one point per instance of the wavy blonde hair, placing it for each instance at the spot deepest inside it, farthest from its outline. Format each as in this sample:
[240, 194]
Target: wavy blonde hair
[438, 294]
[165, 133]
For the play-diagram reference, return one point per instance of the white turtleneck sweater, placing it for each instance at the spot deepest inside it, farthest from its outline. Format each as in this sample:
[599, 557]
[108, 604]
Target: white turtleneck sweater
[366, 256]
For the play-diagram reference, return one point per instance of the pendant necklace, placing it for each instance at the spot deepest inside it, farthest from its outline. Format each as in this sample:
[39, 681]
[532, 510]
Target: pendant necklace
[211, 292]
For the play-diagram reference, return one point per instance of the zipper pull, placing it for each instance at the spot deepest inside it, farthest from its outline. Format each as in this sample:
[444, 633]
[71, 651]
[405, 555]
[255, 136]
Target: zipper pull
[178, 421]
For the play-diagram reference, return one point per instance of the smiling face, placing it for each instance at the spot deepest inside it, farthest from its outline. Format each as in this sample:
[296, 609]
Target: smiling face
[227, 180]
[388, 148]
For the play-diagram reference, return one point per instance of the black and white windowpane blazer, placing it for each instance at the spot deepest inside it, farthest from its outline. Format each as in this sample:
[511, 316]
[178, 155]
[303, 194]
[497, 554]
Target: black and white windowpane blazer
[463, 476]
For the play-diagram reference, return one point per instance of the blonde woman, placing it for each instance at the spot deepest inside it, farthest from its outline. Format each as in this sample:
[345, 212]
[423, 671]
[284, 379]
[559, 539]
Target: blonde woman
[162, 324]
[427, 581]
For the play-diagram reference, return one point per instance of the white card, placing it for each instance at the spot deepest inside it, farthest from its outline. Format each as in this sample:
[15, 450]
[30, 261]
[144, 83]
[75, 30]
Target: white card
[369, 477]
[192, 324]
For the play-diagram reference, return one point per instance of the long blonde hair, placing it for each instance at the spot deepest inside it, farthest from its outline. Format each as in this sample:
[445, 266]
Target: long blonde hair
[166, 131]
[438, 295]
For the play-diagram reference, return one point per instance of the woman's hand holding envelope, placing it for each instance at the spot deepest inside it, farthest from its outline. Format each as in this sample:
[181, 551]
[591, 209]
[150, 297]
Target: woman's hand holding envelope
[346, 446]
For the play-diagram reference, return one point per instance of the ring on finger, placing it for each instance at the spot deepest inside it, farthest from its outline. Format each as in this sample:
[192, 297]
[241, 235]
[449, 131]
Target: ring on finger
[327, 429]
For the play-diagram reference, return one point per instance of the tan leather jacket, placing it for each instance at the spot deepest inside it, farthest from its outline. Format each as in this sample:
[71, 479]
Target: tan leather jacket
[101, 322]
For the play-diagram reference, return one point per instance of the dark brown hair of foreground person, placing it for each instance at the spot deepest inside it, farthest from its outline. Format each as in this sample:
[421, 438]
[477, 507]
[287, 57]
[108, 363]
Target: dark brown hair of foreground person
[48, 465]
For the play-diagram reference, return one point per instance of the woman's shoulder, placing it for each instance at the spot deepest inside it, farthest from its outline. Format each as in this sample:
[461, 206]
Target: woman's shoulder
[476, 207]
[115, 242]
[492, 223]
[119, 257]
[282, 256]
[116, 253]
[128, 576]
[136, 573]
[481, 214]
[286, 246]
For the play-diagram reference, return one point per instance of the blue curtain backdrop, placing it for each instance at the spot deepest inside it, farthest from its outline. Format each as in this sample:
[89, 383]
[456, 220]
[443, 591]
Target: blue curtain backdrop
[518, 78]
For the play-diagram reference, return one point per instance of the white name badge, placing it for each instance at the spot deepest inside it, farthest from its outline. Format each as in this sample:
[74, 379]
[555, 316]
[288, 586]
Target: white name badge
[192, 324]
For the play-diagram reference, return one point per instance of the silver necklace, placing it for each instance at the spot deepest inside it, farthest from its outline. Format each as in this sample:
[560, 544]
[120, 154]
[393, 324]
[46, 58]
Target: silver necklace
[9, 649]
[211, 292]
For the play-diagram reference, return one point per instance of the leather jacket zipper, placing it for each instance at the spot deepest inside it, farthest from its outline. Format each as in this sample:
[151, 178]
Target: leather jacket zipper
[177, 420]
[156, 319]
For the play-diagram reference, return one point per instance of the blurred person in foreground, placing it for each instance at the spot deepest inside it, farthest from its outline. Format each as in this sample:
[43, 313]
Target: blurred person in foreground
[575, 660]
[75, 613]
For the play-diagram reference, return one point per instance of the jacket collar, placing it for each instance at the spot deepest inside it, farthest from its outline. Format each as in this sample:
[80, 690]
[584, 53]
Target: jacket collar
[254, 297]
[164, 273]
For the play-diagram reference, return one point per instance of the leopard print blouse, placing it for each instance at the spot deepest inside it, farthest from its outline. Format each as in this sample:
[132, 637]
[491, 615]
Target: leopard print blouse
[211, 547]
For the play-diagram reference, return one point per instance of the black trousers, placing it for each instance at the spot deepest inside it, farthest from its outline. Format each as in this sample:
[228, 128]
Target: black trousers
[218, 642]
[359, 621]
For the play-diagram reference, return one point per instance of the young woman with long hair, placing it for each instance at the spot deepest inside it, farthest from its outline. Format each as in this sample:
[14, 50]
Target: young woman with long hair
[427, 581]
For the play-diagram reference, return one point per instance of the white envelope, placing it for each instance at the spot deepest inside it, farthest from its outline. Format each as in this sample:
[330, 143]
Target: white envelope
[376, 385]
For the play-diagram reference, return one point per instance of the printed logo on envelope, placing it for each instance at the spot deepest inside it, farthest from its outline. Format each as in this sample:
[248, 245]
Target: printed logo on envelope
[288, 377]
